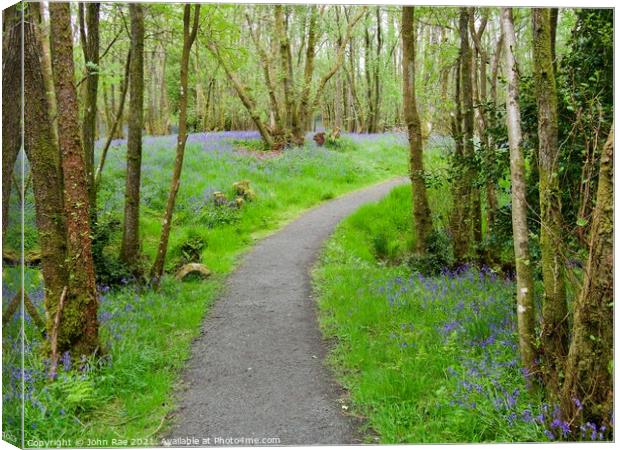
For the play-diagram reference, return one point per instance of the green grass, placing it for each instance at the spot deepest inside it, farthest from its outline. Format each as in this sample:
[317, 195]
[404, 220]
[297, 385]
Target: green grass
[423, 359]
[128, 393]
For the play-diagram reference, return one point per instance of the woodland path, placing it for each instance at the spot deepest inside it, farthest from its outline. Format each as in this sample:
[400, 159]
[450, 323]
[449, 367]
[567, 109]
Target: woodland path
[257, 368]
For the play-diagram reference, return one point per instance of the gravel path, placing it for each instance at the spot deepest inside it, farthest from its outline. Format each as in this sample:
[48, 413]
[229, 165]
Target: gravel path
[257, 368]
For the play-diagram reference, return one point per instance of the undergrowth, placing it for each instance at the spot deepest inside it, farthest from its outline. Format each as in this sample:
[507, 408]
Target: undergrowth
[425, 359]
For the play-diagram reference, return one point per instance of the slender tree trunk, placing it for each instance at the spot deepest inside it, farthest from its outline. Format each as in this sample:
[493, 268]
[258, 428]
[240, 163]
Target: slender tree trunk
[188, 40]
[377, 72]
[459, 188]
[423, 225]
[466, 220]
[471, 214]
[302, 108]
[370, 116]
[115, 124]
[285, 65]
[480, 69]
[555, 312]
[12, 107]
[525, 284]
[553, 27]
[89, 35]
[163, 123]
[79, 316]
[358, 119]
[130, 245]
[587, 392]
[43, 31]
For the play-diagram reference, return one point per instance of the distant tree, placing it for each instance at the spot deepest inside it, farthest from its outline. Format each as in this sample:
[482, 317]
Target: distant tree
[423, 224]
[79, 316]
[189, 36]
[526, 321]
[130, 245]
[555, 312]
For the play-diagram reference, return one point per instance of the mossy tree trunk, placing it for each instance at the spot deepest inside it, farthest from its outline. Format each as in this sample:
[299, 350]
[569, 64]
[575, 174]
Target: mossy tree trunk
[587, 392]
[188, 39]
[422, 218]
[44, 158]
[525, 285]
[458, 187]
[481, 61]
[555, 312]
[464, 214]
[12, 107]
[89, 37]
[130, 245]
[80, 328]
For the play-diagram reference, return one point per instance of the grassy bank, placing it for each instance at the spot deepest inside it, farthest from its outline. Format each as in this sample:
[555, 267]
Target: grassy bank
[424, 359]
[127, 393]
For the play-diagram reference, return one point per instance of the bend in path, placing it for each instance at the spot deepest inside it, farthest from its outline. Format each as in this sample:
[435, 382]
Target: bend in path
[257, 370]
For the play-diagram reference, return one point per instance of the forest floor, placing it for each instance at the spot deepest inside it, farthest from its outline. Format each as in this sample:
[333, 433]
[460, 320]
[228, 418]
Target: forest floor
[257, 369]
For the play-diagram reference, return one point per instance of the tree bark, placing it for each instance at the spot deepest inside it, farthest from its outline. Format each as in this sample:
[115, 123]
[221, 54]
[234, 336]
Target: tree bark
[89, 36]
[525, 284]
[285, 64]
[80, 327]
[188, 39]
[12, 105]
[422, 219]
[589, 370]
[377, 72]
[480, 68]
[458, 187]
[301, 116]
[555, 312]
[465, 217]
[44, 158]
[130, 245]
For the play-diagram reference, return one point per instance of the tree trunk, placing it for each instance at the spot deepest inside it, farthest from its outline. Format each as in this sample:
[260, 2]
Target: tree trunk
[44, 158]
[377, 72]
[555, 313]
[12, 106]
[130, 245]
[471, 214]
[89, 35]
[587, 392]
[525, 284]
[301, 116]
[423, 225]
[285, 65]
[188, 40]
[480, 69]
[458, 187]
[370, 116]
[115, 124]
[79, 317]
